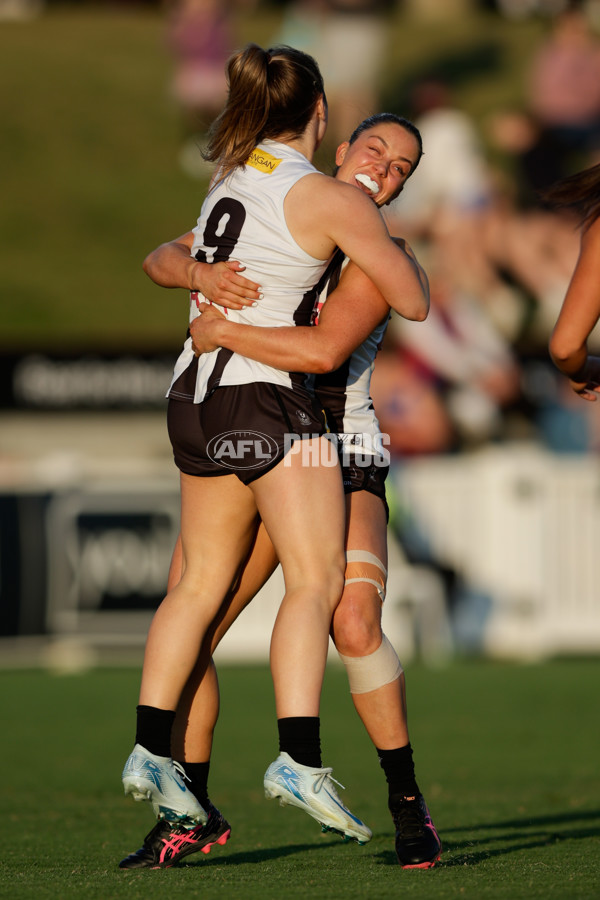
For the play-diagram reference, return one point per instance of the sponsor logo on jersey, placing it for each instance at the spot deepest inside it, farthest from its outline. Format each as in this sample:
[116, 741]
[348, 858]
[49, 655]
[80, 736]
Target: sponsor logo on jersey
[263, 161]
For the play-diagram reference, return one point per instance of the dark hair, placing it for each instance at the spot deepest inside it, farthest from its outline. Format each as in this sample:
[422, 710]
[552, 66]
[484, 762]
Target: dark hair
[378, 118]
[272, 94]
[579, 193]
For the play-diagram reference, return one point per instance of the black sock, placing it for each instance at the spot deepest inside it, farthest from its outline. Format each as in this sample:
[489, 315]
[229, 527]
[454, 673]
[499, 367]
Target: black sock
[299, 737]
[198, 784]
[399, 772]
[154, 729]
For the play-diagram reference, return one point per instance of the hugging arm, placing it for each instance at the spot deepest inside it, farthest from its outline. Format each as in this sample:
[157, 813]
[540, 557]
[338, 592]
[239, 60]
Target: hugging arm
[350, 314]
[348, 219]
[418, 269]
[171, 265]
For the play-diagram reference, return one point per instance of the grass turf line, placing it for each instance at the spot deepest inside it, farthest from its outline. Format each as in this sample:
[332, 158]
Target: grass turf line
[506, 756]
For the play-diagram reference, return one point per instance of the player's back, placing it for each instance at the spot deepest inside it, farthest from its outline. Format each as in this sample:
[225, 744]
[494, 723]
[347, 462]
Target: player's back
[243, 218]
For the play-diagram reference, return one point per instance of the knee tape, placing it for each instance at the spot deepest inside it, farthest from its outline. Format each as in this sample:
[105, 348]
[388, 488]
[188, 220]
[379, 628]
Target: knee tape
[364, 566]
[367, 673]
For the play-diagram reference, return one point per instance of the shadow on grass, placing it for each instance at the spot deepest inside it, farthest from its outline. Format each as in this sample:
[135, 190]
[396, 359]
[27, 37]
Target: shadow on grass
[524, 834]
[558, 819]
[253, 857]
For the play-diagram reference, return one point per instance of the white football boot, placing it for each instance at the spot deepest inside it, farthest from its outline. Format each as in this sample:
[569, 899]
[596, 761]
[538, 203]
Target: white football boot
[313, 791]
[161, 781]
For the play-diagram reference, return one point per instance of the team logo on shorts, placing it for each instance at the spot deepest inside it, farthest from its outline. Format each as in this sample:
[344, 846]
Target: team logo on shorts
[303, 417]
[242, 450]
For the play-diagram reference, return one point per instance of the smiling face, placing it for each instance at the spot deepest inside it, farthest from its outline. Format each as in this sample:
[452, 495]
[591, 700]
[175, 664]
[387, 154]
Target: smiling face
[379, 161]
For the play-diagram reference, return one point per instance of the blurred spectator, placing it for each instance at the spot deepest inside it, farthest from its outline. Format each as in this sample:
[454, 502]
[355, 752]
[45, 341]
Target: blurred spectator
[352, 52]
[453, 180]
[410, 408]
[451, 203]
[523, 9]
[498, 266]
[433, 12]
[536, 156]
[563, 87]
[199, 34]
[459, 351]
[535, 248]
[562, 423]
[557, 130]
[348, 39]
[301, 25]
[20, 10]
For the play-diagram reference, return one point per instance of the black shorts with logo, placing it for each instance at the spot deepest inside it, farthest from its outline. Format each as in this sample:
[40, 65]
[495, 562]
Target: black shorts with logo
[243, 429]
[361, 475]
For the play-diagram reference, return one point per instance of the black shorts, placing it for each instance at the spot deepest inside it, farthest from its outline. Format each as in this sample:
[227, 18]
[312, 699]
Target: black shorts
[243, 429]
[370, 477]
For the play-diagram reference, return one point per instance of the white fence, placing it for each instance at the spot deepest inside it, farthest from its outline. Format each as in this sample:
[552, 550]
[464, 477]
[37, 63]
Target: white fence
[522, 528]
[519, 526]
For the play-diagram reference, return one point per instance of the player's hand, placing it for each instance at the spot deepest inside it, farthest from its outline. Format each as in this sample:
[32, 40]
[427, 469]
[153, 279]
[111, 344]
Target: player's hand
[586, 391]
[202, 329]
[587, 384]
[224, 284]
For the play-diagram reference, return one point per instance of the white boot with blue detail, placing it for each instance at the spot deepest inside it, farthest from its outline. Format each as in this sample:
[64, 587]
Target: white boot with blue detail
[161, 781]
[313, 790]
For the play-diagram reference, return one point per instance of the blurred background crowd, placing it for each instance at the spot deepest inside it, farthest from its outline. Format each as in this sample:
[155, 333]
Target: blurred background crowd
[477, 373]
[498, 259]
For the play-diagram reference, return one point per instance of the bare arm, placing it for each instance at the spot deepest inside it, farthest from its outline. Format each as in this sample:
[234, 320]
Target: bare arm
[418, 270]
[171, 265]
[347, 218]
[350, 314]
[578, 316]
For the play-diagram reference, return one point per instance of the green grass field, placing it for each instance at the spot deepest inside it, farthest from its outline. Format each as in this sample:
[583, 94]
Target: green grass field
[507, 756]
